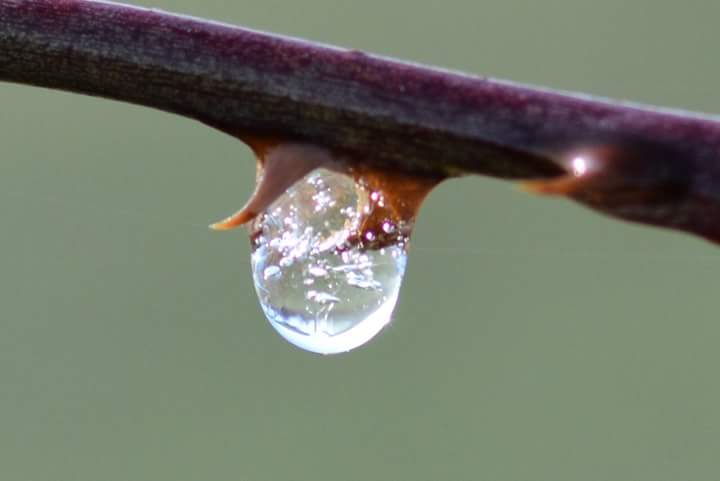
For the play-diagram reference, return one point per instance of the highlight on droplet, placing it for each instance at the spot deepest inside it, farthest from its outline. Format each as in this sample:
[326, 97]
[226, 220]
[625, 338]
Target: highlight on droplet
[579, 166]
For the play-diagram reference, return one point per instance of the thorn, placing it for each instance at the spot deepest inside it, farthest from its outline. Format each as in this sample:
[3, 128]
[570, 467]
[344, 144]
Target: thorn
[279, 169]
[566, 185]
[239, 218]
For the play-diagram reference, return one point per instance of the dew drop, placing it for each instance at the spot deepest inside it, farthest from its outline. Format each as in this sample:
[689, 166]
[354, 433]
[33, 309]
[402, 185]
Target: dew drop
[329, 244]
[331, 292]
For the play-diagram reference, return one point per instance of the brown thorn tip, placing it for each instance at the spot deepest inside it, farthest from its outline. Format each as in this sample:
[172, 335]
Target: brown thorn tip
[236, 220]
[565, 186]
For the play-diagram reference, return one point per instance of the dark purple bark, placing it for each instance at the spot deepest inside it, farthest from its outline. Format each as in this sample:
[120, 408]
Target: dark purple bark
[647, 165]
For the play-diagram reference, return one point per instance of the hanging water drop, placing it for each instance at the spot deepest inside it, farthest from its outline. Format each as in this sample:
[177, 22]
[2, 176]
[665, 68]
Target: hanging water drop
[329, 245]
[331, 293]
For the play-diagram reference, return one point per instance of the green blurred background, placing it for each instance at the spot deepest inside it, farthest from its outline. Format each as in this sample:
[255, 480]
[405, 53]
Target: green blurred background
[534, 339]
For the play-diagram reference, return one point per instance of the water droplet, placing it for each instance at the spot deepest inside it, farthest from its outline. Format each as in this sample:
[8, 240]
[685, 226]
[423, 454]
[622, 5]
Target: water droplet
[329, 241]
[327, 291]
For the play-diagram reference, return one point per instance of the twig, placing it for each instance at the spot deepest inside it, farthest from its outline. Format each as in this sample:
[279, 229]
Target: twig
[643, 164]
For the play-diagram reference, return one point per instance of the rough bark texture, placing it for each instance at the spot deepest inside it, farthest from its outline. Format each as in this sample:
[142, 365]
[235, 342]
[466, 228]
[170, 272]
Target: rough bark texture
[647, 165]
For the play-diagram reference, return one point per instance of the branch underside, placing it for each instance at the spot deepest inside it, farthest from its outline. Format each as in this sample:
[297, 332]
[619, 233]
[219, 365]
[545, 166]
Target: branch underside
[646, 165]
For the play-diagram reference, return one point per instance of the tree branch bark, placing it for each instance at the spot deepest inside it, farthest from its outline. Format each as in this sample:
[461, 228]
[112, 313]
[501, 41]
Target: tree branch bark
[647, 165]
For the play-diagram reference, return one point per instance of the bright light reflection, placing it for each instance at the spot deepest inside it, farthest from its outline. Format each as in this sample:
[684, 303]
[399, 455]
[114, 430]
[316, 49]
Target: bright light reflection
[579, 166]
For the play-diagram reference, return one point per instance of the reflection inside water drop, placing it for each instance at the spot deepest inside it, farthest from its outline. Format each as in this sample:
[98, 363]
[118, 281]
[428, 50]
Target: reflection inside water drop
[326, 280]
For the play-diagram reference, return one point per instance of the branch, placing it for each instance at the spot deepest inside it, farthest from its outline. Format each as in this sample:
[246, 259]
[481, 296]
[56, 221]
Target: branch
[640, 164]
